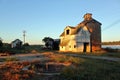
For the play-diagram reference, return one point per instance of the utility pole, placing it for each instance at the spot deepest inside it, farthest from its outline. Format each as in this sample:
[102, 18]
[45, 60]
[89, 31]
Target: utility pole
[24, 34]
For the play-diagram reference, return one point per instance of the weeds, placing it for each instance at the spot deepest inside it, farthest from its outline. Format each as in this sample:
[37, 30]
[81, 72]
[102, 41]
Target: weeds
[92, 70]
[11, 59]
[63, 58]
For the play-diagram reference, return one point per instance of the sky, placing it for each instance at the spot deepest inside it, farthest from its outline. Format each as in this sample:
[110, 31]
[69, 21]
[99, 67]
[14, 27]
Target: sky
[48, 18]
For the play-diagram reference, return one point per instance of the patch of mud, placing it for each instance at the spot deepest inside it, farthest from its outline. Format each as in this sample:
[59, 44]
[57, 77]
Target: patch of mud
[46, 70]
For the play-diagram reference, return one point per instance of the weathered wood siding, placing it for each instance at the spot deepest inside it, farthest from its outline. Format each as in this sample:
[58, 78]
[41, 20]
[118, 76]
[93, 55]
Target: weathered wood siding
[95, 31]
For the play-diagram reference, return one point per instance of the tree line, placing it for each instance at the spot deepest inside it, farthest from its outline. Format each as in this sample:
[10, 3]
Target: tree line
[111, 43]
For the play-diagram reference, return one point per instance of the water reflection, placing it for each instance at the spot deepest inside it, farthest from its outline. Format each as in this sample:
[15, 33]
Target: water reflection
[111, 46]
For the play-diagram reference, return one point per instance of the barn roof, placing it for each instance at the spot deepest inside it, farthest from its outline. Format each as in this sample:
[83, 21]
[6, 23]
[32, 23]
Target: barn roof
[16, 40]
[83, 23]
[71, 27]
[80, 25]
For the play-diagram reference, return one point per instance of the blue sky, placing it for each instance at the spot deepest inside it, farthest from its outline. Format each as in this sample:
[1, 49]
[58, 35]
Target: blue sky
[43, 18]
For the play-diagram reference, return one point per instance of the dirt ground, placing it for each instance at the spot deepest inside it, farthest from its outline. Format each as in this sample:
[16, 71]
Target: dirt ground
[30, 67]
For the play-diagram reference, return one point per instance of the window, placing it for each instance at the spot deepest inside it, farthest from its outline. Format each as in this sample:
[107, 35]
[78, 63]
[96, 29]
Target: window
[67, 31]
[74, 46]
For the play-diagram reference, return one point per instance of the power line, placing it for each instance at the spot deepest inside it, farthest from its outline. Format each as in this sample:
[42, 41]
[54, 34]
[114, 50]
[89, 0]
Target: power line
[111, 25]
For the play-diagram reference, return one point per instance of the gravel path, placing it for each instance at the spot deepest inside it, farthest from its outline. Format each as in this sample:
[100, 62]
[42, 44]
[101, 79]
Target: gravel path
[95, 57]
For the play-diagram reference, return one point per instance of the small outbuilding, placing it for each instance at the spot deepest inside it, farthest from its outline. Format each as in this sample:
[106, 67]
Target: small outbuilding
[16, 43]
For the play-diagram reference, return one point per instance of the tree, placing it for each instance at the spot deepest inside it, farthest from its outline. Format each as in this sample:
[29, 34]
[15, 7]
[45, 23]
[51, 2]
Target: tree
[26, 44]
[56, 45]
[48, 42]
[1, 43]
[46, 39]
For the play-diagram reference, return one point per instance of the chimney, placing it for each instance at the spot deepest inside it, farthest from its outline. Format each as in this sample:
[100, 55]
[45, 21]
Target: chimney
[87, 16]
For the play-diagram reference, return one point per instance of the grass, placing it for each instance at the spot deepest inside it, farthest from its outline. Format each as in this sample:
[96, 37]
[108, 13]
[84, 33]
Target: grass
[8, 59]
[11, 59]
[33, 48]
[63, 58]
[112, 54]
[80, 69]
[106, 54]
[92, 69]
[23, 49]
[88, 69]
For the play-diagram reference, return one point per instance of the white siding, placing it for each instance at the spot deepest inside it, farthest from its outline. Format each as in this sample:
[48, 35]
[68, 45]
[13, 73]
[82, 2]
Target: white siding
[83, 35]
[80, 47]
[76, 42]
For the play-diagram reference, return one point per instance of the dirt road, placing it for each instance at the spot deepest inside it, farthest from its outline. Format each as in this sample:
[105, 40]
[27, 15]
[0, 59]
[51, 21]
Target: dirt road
[39, 56]
[26, 57]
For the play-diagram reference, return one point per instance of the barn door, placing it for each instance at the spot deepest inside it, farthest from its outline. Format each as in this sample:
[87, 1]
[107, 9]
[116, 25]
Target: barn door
[85, 47]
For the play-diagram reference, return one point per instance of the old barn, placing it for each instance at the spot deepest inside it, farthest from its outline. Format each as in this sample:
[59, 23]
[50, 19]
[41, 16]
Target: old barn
[85, 37]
